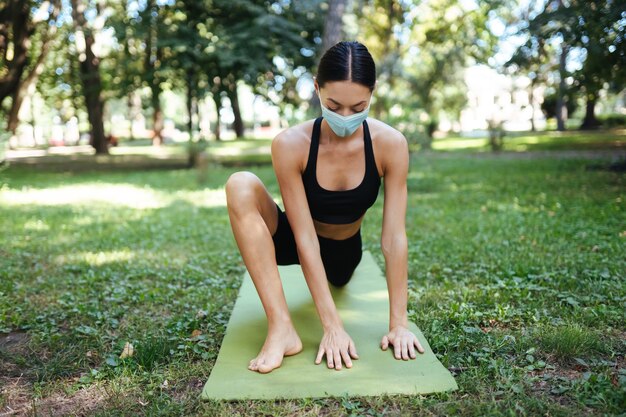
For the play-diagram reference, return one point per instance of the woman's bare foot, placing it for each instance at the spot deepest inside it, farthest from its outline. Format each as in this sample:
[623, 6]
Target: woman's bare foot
[280, 342]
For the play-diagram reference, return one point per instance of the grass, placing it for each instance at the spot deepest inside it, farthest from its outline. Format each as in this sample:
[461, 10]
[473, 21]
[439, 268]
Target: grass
[516, 278]
[607, 139]
[570, 341]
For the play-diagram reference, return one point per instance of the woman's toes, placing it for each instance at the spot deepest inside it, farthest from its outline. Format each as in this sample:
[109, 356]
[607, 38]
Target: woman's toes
[265, 367]
[253, 365]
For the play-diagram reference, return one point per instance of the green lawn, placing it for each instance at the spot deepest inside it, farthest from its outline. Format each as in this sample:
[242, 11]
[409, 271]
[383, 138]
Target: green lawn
[516, 278]
[606, 139]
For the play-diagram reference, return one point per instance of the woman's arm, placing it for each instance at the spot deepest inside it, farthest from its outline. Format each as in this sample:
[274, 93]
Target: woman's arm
[336, 343]
[394, 245]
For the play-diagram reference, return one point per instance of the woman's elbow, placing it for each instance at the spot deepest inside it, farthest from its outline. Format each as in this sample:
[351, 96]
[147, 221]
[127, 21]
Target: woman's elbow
[393, 244]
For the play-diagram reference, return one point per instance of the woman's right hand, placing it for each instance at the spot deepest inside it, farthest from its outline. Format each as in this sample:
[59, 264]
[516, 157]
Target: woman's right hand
[337, 345]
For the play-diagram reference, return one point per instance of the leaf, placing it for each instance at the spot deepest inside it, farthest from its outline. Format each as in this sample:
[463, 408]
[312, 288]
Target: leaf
[112, 361]
[582, 362]
[128, 351]
[468, 329]
[88, 330]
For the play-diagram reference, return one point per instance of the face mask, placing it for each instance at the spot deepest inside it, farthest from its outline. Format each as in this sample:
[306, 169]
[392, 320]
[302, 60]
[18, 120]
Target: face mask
[344, 125]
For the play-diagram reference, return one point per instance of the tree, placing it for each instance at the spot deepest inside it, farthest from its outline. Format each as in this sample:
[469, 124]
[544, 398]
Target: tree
[90, 73]
[423, 48]
[141, 33]
[533, 57]
[25, 40]
[602, 36]
[265, 46]
[384, 20]
[595, 27]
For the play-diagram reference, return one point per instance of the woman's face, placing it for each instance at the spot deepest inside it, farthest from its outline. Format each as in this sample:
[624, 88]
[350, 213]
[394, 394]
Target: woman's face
[344, 97]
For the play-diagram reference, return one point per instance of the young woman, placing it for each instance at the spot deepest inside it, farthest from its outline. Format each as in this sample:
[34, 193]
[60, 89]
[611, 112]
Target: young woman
[328, 172]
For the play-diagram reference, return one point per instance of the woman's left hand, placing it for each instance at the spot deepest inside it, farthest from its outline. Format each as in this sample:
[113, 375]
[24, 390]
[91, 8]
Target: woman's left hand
[404, 343]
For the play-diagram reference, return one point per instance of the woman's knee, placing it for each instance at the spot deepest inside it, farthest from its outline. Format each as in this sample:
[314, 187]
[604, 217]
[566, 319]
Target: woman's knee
[241, 187]
[341, 273]
[340, 280]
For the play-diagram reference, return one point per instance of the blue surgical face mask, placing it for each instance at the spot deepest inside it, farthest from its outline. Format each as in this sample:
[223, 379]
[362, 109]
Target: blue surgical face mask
[344, 125]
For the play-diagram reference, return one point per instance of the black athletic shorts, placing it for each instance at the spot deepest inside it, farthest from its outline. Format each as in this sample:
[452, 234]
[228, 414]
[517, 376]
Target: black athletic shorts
[340, 257]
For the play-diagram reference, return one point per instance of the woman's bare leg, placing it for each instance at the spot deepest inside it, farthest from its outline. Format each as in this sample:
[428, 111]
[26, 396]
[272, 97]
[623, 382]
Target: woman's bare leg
[254, 219]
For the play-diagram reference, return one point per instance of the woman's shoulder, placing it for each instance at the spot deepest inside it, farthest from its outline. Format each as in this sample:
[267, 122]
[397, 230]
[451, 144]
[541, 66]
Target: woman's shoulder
[295, 136]
[292, 143]
[383, 133]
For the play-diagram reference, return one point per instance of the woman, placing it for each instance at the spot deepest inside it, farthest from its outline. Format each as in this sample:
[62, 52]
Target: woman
[327, 185]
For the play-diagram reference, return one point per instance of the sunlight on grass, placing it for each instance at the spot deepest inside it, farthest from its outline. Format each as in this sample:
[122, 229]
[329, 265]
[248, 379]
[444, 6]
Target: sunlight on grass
[504, 207]
[530, 141]
[36, 225]
[236, 151]
[459, 143]
[124, 195]
[96, 258]
[153, 151]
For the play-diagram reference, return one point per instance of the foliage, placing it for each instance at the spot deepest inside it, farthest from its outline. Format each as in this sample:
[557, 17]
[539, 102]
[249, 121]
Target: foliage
[595, 28]
[423, 53]
[548, 105]
[613, 120]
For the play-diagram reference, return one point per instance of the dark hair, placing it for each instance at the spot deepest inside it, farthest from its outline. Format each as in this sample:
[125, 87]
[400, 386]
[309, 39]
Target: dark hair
[347, 61]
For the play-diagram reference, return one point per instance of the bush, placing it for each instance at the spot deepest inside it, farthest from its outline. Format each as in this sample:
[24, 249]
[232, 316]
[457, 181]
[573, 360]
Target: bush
[612, 120]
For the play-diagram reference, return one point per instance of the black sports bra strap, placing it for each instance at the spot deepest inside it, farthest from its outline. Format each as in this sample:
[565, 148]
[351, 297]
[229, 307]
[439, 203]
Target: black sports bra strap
[369, 148]
[315, 141]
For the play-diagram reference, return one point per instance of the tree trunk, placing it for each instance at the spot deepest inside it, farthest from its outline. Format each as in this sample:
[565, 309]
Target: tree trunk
[531, 100]
[153, 56]
[90, 76]
[430, 131]
[333, 28]
[217, 98]
[191, 103]
[14, 17]
[590, 121]
[561, 109]
[23, 88]
[234, 102]
[157, 115]
[130, 104]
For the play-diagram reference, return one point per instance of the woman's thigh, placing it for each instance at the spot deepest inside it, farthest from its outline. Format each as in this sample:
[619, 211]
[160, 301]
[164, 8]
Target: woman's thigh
[341, 257]
[284, 241]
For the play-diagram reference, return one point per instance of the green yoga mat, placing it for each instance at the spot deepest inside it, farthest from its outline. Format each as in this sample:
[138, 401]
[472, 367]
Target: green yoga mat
[363, 305]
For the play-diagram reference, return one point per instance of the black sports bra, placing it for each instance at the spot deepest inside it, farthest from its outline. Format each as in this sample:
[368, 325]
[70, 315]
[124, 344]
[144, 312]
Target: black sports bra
[340, 206]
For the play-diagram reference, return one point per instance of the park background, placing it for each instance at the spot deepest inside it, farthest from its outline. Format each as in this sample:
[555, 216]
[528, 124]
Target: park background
[122, 120]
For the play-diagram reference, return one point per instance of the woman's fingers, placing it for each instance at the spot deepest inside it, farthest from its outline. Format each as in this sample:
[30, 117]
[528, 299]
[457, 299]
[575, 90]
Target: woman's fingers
[385, 343]
[352, 349]
[418, 346]
[405, 349]
[320, 354]
[338, 348]
[337, 354]
[411, 350]
[346, 358]
[397, 349]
